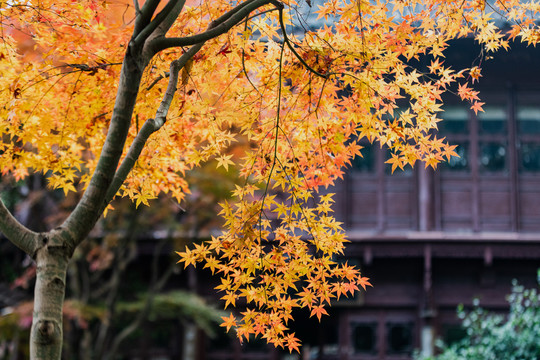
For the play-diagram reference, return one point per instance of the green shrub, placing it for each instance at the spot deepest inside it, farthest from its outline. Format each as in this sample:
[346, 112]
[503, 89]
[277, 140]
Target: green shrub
[515, 336]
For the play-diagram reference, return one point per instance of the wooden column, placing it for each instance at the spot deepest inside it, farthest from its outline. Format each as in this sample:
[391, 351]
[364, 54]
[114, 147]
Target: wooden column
[513, 159]
[427, 311]
[425, 199]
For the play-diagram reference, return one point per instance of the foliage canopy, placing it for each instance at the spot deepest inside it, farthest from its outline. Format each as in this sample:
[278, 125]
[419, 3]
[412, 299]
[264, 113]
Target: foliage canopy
[196, 78]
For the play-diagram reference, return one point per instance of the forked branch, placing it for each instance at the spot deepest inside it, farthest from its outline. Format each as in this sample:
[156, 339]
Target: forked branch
[151, 125]
[218, 27]
[164, 19]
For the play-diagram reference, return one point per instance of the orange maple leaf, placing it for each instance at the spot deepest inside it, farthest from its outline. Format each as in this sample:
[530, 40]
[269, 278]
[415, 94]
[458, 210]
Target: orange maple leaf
[477, 106]
[292, 343]
[363, 282]
[228, 322]
[319, 310]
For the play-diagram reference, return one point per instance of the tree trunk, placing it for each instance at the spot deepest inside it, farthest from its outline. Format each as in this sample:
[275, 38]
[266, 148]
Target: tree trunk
[52, 251]
[46, 334]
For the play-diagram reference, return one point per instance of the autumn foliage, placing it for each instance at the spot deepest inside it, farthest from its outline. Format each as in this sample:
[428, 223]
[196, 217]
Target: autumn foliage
[302, 100]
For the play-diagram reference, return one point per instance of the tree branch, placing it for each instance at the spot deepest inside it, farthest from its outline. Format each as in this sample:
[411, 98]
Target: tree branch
[83, 218]
[165, 17]
[233, 11]
[99, 191]
[136, 5]
[158, 79]
[169, 19]
[151, 125]
[218, 27]
[279, 6]
[22, 237]
[144, 16]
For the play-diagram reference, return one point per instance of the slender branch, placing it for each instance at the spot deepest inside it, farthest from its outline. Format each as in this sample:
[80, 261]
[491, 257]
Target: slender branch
[233, 11]
[137, 7]
[22, 237]
[218, 27]
[129, 161]
[244, 62]
[144, 16]
[176, 66]
[278, 112]
[171, 11]
[158, 79]
[169, 19]
[151, 125]
[279, 6]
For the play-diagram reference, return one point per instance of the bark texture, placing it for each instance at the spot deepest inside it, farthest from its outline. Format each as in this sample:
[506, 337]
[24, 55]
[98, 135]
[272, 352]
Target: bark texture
[46, 334]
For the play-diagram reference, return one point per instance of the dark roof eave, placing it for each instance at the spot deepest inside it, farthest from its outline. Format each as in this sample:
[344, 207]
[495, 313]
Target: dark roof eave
[442, 237]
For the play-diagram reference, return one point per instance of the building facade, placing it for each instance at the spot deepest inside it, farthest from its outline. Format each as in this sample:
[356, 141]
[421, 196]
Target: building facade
[431, 240]
[428, 240]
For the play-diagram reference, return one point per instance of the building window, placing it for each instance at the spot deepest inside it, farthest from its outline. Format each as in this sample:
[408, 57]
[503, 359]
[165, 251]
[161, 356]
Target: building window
[492, 157]
[222, 341]
[493, 132]
[528, 120]
[455, 120]
[528, 125]
[491, 144]
[365, 163]
[529, 157]
[399, 338]
[364, 337]
[492, 120]
[456, 128]
[460, 162]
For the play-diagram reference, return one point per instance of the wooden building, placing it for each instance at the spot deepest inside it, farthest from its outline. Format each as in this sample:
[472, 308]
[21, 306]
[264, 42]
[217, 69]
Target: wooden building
[431, 240]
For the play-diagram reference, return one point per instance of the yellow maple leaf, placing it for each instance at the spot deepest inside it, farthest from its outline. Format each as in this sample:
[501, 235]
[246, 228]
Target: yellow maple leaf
[225, 161]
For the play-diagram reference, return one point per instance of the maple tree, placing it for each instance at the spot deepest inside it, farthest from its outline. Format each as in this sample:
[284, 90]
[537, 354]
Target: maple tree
[99, 296]
[110, 99]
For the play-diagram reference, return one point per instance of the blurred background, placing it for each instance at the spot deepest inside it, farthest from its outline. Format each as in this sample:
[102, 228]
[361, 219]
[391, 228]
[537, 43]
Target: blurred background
[429, 241]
